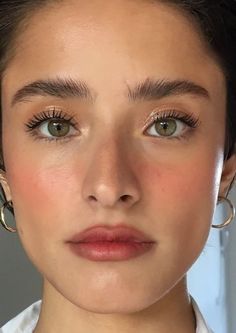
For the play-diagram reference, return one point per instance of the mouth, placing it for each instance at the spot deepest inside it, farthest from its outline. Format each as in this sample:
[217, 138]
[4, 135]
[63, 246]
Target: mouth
[119, 233]
[103, 243]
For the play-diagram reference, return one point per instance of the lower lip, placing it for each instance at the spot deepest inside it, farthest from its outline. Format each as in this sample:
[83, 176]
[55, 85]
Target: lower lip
[110, 251]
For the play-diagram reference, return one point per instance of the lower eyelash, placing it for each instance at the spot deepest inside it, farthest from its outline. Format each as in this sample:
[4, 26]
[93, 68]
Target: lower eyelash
[48, 139]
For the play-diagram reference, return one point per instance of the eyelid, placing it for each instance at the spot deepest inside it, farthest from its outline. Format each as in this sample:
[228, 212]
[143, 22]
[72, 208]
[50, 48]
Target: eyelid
[189, 119]
[49, 114]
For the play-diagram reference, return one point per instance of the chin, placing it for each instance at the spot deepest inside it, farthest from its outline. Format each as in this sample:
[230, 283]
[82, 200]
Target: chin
[119, 302]
[112, 307]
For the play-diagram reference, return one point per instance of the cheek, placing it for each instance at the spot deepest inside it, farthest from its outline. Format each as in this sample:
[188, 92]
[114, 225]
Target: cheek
[42, 194]
[179, 182]
[180, 196]
[179, 204]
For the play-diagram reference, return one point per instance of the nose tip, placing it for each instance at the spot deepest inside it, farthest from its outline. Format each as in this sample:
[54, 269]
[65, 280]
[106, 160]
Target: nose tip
[110, 188]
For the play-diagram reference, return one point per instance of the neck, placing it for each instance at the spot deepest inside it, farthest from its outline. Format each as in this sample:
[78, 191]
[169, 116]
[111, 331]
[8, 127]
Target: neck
[172, 313]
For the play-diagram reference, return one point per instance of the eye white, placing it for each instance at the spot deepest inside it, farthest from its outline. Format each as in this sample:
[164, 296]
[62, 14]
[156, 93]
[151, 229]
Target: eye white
[43, 128]
[180, 126]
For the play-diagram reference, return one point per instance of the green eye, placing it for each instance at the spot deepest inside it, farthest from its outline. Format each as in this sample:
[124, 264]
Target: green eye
[58, 128]
[166, 127]
[171, 124]
[52, 125]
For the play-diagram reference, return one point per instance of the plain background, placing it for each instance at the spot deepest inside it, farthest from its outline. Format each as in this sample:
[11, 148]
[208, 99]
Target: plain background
[211, 280]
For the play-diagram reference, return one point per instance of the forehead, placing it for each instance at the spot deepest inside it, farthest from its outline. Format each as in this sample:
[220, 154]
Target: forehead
[135, 23]
[118, 40]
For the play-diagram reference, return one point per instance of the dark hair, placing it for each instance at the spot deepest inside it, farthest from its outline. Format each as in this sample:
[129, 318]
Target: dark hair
[216, 19]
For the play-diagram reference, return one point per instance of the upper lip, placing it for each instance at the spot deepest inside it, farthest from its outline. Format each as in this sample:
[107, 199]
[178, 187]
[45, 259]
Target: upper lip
[110, 233]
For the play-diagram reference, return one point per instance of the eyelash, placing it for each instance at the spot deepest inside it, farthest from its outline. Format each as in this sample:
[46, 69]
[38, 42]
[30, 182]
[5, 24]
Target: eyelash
[188, 119]
[53, 114]
[37, 120]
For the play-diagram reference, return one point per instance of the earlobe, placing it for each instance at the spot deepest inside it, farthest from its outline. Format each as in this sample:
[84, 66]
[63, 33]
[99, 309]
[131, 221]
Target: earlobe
[228, 176]
[5, 186]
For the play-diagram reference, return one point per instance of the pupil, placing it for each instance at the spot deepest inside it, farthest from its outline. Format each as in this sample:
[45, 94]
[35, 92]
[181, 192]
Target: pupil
[164, 125]
[58, 126]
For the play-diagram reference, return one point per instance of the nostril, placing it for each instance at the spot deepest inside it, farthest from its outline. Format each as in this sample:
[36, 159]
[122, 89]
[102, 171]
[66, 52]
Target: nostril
[92, 198]
[125, 197]
[108, 200]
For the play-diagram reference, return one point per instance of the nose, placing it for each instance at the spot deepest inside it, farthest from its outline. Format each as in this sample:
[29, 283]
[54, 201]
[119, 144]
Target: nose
[110, 180]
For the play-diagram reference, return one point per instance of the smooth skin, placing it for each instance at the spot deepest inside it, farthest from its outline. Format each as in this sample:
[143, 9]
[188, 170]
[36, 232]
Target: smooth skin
[60, 188]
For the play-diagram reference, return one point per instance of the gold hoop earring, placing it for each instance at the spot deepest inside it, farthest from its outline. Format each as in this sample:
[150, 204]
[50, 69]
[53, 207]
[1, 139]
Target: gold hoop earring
[2, 220]
[231, 217]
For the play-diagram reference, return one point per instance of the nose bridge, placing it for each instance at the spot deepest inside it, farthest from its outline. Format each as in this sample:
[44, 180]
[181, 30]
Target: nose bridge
[109, 152]
[109, 159]
[108, 144]
[109, 174]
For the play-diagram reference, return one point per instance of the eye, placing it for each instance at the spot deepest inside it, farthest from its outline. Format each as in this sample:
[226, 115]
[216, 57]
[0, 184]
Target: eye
[52, 125]
[55, 128]
[171, 124]
[167, 127]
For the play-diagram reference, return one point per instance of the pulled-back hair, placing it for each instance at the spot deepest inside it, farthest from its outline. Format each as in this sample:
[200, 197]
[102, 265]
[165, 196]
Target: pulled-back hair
[216, 20]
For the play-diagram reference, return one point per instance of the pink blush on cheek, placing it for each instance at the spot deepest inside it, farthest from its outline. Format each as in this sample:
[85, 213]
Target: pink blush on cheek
[48, 188]
[177, 184]
[40, 194]
[30, 189]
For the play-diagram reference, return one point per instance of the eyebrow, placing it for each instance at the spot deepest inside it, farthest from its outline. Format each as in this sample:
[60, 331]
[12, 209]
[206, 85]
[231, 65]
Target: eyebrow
[149, 89]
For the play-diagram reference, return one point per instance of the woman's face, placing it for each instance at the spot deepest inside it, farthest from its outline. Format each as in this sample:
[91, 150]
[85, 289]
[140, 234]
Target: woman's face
[171, 172]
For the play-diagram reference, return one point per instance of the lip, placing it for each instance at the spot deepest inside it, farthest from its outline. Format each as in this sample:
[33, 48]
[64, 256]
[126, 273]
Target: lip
[108, 243]
[120, 232]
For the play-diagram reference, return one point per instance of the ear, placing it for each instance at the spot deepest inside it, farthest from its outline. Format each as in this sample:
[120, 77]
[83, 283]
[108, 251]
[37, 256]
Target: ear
[5, 186]
[228, 176]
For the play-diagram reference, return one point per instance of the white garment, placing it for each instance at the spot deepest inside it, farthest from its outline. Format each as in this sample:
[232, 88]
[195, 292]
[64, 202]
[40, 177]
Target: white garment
[25, 321]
